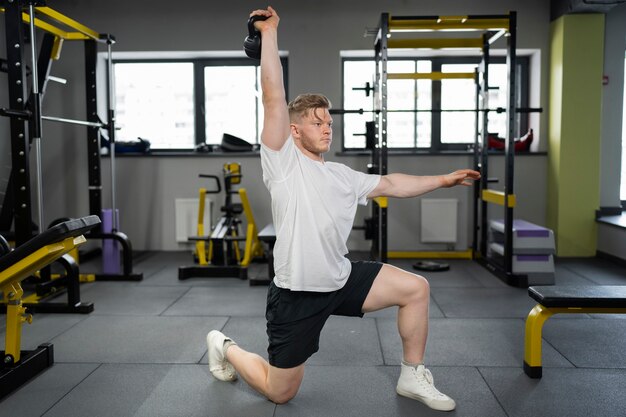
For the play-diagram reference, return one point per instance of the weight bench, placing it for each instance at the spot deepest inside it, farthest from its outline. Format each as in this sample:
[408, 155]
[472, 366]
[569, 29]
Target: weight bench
[18, 366]
[589, 299]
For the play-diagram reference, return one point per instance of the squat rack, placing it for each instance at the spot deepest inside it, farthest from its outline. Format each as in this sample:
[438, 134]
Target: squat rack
[491, 28]
[26, 118]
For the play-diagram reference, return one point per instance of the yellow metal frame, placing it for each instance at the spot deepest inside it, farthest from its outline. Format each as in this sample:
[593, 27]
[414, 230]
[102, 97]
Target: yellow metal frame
[201, 252]
[87, 277]
[81, 32]
[430, 75]
[534, 326]
[460, 23]
[56, 48]
[34, 298]
[253, 248]
[16, 315]
[467, 254]
[498, 197]
[12, 291]
[233, 168]
[42, 257]
[383, 202]
[60, 18]
[435, 43]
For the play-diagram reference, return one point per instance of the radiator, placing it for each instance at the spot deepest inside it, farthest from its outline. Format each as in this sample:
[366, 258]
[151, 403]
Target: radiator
[187, 218]
[439, 220]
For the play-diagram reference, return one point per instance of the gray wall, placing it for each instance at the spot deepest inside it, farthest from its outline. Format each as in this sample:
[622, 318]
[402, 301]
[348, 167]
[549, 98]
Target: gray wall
[313, 32]
[613, 240]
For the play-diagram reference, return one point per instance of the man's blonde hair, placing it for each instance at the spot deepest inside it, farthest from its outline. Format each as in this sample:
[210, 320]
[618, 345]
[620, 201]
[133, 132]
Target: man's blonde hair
[305, 103]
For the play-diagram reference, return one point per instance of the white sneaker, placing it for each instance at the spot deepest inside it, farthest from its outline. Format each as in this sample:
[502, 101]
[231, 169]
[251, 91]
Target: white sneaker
[417, 383]
[218, 365]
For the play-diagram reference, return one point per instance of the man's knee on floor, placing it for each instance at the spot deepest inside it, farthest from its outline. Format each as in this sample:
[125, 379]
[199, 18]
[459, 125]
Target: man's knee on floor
[283, 383]
[283, 396]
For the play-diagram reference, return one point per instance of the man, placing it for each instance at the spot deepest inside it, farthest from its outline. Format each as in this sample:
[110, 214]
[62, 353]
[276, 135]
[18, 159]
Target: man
[313, 207]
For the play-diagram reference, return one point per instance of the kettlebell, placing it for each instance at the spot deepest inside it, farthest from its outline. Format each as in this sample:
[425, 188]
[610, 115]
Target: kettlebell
[252, 43]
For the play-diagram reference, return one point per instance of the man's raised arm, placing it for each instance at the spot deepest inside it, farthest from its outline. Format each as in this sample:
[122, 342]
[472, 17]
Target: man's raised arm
[276, 128]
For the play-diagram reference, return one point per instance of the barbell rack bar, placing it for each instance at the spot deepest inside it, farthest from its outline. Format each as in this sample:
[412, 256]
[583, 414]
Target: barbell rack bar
[73, 121]
[497, 110]
[36, 125]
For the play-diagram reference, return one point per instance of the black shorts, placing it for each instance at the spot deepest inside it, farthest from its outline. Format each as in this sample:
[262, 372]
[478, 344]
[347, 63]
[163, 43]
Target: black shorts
[295, 318]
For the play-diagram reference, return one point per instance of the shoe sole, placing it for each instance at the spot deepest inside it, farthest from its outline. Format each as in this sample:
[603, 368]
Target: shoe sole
[427, 402]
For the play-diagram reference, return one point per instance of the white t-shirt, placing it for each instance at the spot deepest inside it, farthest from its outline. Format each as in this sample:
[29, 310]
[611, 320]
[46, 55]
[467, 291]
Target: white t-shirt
[313, 209]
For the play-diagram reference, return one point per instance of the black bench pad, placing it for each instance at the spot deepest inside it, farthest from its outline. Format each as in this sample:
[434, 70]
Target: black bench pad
[577, 296]
[57, 233]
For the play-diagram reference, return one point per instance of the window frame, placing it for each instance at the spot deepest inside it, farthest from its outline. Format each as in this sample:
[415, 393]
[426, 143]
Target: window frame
[199, 63]
[623, 140]
[523, 69]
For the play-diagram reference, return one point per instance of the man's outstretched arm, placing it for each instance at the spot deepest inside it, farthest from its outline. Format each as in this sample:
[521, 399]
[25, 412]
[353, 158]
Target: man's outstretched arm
[276, 119]
[403, 186]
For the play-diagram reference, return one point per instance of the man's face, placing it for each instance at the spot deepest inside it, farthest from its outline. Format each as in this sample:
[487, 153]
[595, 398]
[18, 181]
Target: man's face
[315, 131]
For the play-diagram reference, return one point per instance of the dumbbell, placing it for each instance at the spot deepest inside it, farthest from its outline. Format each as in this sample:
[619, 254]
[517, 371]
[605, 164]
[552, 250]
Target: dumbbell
[252, 43]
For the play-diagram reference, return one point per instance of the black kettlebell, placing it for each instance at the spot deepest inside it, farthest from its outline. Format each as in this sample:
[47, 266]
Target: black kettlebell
[252, 43]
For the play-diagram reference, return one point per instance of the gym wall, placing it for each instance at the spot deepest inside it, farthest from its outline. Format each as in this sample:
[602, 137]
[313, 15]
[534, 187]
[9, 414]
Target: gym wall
[313, 32]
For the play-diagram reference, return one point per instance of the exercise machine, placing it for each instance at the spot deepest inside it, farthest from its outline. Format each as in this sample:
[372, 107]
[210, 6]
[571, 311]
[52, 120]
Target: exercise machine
[489, 28]
[47, 286]
[219, 254]
[19, 366]
[25, 113]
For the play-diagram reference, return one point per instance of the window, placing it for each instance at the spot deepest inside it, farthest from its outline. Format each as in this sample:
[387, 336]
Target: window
[155, 101]
[177, 104]
[411, 123]
[227, 103]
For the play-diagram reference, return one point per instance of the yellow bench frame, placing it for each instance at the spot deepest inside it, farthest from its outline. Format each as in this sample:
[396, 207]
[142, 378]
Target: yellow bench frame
[12, 291]
[20, 366]
[534, 326]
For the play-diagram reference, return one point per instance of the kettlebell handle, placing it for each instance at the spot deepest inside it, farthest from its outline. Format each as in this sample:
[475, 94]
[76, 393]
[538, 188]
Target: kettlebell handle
[252, 31]
[252, 43]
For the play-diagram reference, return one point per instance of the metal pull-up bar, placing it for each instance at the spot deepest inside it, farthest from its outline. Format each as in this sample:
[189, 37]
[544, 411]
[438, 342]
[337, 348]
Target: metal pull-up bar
[455, 43]
[435, 76]
[79, 31]
[496, 26]
[496, 110]
[457, 23]
[28, 115]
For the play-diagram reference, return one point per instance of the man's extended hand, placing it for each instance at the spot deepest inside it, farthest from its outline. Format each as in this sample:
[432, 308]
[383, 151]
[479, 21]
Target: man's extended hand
[460, 177]
[271, 22]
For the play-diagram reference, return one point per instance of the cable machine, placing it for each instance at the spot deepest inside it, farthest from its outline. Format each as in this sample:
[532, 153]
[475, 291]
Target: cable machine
[491, 28]
[26, 118]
